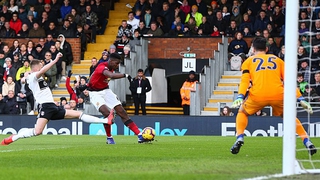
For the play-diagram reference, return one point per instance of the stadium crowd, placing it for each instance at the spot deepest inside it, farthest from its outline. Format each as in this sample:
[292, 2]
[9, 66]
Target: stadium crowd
[52, 21]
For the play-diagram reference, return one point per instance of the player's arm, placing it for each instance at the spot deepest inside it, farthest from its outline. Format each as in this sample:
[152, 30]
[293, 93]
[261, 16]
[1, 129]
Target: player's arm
[306, 106]
[114, 75]
[244, 84]
[45, 68]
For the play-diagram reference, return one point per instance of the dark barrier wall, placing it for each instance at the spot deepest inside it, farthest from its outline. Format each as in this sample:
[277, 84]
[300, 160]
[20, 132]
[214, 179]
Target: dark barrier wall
[164, 125]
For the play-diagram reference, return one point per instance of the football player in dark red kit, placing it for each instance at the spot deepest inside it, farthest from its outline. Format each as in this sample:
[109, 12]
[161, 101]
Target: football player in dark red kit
[105, 100]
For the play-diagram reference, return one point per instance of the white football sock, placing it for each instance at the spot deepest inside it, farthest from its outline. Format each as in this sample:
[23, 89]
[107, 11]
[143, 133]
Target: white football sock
[24, 134]
[91, 119]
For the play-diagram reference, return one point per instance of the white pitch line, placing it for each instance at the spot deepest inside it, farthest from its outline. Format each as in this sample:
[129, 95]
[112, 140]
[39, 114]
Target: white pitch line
[15, 150]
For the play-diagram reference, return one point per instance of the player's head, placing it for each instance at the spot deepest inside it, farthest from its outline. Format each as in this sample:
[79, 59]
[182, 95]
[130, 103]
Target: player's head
[259, 44]
[114, 61]
[140, 72]
[35, 65]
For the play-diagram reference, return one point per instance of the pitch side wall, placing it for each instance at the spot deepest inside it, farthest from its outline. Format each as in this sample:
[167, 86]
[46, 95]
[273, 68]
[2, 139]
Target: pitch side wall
[164, 125]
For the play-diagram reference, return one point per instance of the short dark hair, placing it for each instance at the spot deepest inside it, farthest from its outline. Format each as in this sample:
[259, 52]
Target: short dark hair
[140, 70]
[115, 57]
[259, 43]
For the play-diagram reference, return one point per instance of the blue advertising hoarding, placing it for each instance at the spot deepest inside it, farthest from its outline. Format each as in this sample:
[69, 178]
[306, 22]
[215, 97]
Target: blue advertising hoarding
[163, 125]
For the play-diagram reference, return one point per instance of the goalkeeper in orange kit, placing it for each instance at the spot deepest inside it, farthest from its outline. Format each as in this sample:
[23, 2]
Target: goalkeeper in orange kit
[266, 73]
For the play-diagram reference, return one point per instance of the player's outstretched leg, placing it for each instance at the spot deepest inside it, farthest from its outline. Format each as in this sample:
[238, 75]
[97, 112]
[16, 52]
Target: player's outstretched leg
[7, 141]
[237, 145]
[309, 145]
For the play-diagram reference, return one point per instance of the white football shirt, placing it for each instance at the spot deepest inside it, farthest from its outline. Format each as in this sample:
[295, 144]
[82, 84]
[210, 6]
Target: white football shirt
[40, 89]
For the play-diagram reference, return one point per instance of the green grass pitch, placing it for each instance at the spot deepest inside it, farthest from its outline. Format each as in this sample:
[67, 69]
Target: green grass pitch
[169, 157]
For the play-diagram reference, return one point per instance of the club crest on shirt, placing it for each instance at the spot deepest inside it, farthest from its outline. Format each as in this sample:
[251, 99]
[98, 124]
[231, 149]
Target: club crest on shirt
[98, 103]
[42, 113]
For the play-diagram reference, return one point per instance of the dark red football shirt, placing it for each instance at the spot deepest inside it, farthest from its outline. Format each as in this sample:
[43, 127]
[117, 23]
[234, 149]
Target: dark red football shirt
[98, 81]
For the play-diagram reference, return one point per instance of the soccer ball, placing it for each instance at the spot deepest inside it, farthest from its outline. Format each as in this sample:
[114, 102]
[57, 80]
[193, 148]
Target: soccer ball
[148, 133]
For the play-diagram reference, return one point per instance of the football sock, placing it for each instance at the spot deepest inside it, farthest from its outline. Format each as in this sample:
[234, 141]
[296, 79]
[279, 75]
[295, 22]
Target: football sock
[241, 122]
[240, 137]
[107, 127]
[300, 130]
[24, 134]
[132, 126]
[91, 119]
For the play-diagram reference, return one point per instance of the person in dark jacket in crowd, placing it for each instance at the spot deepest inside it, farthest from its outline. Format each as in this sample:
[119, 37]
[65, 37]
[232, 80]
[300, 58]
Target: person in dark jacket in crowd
[2, 104]
[139, 86]
[24, 95]
[11, 104]
[238, 46]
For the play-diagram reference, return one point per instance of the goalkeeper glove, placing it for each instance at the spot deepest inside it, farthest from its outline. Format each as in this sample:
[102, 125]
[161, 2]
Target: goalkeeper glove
[238, 101]
[306, 106]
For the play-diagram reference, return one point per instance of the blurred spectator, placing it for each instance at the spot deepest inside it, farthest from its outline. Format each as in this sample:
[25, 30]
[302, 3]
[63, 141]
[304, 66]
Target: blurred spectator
[142, 29]
[2, 104]
[66, 47]
[80, 104]
[67, 30]
[260, 113]
[73, 104]
[39, 54]
[155, 7]
[5, 13]
[72, 90]
[30, 48]
[316, 85]
[16, 63]
[81, 7]
[315, 58]
[23, 95]
[282, 52]
[61, 64]
[316, 39]
[41, 42]
[121, 43]
[23, 54]
[272, 31]
[278, 18]
[125, 28]
[100, 10]
[139, 86]
[255, 6]
[73, 25]
[30, 19]
[75, 16]
[246, 22]
[310, 94]
[94, 63]
[8, 85]
[132, 21]
[187, 87]
[15, 46]
[25, 68]
[52, 30]
[11, 105]
[65, 9]
[177, 31]
[202, 7]
[175, 22]
[226, 111]
[211, 16]
[82, 85]
[135, 41]
[147, 18]
[220, 23]
[197, 16]
[45, 22]
[85, 96]
[23, 13]
[52, 72]
[33, 11]
[154, 30]
[272, 46]
[24, 32]
[104, 58]
[205, 26]
[37, 31]
[53, 51]
[39, 6]
[246, 32]
[89, 20]
[63, 101]
[179, 13]
[232, 29]
[192, 26]
[9, 70]
[126, 52]
[6, 31]
[302, 55]
[238, 46]
[261, 21]
[167, 16]
[226, 14]
[112, 49]
[215, 32]
[236, 16]
[15, 22]
[55, 8]
[83, 40]
[49, 42]
[7, 52]
[301, 83]
[50, 14]
[185, 7]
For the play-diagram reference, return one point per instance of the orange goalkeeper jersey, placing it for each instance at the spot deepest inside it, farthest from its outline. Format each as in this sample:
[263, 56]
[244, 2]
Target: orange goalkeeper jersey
[266, 72]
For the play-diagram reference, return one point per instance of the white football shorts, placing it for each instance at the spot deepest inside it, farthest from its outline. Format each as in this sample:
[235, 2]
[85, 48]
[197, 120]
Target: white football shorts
[104, 97]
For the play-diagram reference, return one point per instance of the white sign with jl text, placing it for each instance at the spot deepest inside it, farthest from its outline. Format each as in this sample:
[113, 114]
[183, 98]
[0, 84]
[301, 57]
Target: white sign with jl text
[188, 64]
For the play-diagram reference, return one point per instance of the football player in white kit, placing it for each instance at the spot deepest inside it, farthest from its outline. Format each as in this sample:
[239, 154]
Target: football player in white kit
[48, 110]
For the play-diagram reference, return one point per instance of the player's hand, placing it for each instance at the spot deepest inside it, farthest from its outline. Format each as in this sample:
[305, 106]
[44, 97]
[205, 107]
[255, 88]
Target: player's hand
[69, 73]
[306, 106]
[237, 103]
[59, 55]
[129, 78]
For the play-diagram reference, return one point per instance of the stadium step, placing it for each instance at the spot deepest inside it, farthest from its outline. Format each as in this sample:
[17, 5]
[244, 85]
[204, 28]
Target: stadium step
[157, 110]
[122, 6]
[118, 14]
[223, 94]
